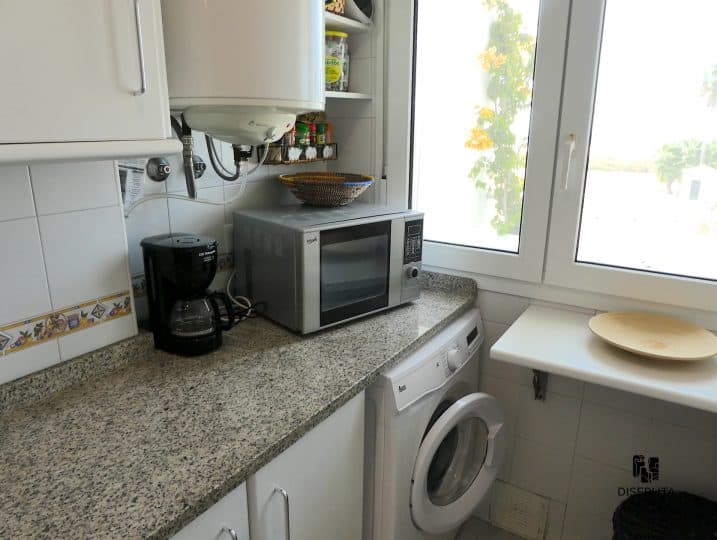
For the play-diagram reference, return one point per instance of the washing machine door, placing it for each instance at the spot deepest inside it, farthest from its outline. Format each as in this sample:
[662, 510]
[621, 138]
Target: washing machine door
[457, 462]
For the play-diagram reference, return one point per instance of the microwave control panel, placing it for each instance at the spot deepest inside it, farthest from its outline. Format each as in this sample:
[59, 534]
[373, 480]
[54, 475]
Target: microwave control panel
[413, 241]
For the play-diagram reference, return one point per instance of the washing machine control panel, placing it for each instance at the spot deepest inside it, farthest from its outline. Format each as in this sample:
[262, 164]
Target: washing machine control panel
[435, 363]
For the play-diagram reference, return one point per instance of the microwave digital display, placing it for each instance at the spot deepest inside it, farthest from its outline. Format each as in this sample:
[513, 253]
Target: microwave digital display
[413, 242]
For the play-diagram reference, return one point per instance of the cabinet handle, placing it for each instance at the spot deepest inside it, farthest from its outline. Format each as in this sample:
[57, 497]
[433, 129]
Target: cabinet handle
[140, 49]
[230, 532]
[287, 526]
[570, 141]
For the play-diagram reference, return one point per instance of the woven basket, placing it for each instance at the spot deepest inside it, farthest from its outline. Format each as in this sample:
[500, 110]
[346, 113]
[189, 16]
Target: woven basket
[326, 189]
[668, 516]
[337, 6]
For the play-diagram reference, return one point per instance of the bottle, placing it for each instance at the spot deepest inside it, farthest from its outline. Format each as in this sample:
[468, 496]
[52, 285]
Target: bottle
[312, 134]
[321, 134]
[302, 135]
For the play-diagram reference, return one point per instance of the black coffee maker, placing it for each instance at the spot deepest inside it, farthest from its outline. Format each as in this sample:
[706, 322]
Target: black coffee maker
[184, 315]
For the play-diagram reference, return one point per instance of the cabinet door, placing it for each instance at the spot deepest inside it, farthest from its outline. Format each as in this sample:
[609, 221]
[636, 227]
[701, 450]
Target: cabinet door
[322, 475]
[230, 512]
[71, 71]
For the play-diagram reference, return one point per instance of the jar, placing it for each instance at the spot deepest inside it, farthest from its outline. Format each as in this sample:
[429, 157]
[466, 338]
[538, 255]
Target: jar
[337, 61]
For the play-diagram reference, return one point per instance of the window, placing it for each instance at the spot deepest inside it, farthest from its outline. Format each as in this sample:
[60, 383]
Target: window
[610, 160]
[484, 126]
[633, 211]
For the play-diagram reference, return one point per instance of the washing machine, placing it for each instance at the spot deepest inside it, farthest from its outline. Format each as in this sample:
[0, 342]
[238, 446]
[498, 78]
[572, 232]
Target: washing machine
[434, 444]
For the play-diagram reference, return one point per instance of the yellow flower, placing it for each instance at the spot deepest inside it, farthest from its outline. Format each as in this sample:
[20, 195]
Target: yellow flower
[479, 140]
[486, 114]
[490, 58]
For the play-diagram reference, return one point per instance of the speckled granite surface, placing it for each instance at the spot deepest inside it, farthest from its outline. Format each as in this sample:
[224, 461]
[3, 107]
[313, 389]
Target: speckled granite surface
[140, 450]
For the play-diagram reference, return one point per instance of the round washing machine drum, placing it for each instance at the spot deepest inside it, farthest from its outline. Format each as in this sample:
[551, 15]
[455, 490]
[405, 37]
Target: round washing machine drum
[457, 462]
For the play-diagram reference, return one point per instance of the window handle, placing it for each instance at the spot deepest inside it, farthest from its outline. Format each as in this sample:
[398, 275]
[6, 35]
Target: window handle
[570, 142]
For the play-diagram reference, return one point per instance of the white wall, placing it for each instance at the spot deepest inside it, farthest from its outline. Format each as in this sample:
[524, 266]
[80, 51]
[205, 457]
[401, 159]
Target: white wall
[65, 243]
[576, 448]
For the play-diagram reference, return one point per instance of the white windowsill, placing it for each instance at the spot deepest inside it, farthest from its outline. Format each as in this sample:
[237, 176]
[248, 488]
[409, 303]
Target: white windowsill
[559, 341]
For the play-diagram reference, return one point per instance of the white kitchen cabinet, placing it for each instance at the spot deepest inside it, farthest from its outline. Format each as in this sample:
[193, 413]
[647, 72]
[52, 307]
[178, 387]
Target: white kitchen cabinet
[80, 72]
[321, 476]
[217, 523]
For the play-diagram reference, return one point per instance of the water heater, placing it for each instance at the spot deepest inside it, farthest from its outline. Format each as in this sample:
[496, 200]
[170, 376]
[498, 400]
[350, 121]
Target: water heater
[240, 70]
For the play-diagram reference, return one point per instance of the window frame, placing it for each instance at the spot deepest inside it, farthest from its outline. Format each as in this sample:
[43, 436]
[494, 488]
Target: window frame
[578, 101]
[527, 264]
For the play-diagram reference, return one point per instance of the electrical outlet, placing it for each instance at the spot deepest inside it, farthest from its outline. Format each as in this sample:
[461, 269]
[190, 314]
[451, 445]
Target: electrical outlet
[519, 511]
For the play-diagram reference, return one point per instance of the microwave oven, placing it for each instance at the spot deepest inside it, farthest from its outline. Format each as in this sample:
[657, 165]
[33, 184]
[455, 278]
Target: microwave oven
[317, 267]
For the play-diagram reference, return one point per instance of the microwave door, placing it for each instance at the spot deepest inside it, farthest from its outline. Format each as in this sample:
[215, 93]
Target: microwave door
[354, 270]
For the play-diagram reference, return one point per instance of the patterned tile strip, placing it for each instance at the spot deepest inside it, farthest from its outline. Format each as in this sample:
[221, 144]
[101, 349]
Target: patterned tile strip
[225, 263]
[42, 328]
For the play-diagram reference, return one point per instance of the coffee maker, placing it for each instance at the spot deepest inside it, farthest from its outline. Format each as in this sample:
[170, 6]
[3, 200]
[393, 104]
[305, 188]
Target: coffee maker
[185, 317]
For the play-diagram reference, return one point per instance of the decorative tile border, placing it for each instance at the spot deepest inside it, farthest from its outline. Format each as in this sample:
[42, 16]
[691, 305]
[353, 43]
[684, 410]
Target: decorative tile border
[225, 263]
[42, 328]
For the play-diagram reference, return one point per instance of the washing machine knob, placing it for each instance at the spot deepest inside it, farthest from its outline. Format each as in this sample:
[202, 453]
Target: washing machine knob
[453, 358]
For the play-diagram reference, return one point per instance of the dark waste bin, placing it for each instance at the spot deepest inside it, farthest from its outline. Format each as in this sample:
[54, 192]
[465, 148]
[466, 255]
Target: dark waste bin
[665, 516]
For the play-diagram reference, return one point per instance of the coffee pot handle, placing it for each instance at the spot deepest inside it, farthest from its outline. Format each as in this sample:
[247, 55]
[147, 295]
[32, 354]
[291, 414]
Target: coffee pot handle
[224, 298]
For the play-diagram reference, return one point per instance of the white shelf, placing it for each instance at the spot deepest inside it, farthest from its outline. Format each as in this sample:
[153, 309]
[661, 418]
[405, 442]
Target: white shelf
[559, 341]
[347, 95]
[344, 24]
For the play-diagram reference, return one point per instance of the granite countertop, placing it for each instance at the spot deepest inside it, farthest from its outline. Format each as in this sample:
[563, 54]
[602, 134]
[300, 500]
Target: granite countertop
[130, 442]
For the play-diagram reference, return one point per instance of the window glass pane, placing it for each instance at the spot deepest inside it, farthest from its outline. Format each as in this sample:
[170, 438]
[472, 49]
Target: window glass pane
[473, 91]
[650, 198]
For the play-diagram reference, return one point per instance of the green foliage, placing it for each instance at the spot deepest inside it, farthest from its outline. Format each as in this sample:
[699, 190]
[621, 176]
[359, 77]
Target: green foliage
[674, 158]
[508, 61]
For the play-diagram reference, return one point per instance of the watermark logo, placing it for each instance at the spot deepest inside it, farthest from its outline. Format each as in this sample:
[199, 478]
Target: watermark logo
[647, 470]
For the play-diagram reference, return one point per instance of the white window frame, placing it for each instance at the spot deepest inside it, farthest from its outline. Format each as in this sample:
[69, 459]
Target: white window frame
[527, 264]
[561, 269]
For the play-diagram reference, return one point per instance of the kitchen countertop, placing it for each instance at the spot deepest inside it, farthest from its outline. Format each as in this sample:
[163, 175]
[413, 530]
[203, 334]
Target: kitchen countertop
[145, 444]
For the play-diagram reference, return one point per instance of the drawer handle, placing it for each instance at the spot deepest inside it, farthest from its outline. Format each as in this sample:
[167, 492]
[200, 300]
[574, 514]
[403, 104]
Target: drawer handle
[230, 532]
[140, 48]
[287, 526]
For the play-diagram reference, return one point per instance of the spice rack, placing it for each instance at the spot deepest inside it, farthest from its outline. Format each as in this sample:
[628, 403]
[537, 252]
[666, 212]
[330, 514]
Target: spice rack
[283, 154]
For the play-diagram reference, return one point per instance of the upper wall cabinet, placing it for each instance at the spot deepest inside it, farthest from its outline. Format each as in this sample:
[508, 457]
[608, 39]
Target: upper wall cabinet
[82, 79]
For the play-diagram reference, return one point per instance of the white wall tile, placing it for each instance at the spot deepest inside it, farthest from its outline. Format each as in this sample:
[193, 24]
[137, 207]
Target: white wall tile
[196, 218]
[556, 517]
[100, 336]
[580, 525]
[16, 200]
[149, 219]
[22, 272]
[594, 487]
[26, 361]
[687, 461]
[541, 469]
[496, 368]
[66, 187]
[617, 399]
[553, 422]
[85, 254]
[703, 423]
[501, 308]
[611, 436]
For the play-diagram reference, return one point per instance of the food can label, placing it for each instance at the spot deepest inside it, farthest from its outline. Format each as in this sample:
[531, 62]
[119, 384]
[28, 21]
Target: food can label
[333, 69]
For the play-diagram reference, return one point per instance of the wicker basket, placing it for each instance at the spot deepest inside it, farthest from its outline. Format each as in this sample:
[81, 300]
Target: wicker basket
[326, 189]
[337, 6]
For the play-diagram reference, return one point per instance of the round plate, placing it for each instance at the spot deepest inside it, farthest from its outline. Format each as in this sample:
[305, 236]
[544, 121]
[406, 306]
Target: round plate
[655, 336]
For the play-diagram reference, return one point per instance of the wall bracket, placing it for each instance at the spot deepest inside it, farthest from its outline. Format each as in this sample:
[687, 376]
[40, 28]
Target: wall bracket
[540, 384]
